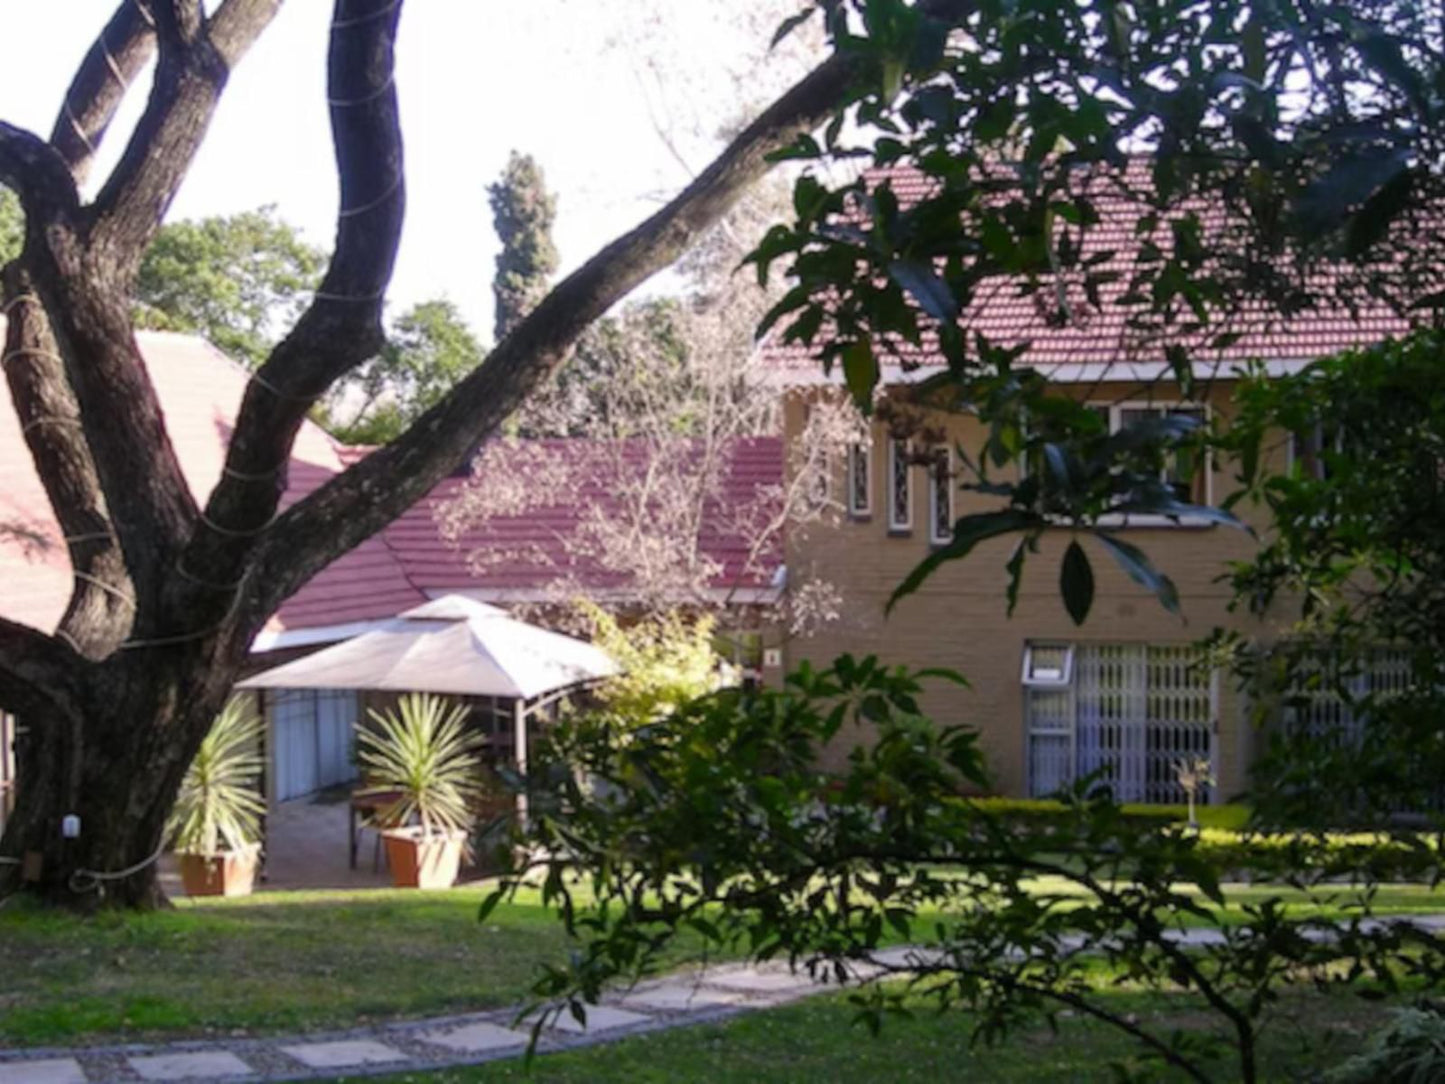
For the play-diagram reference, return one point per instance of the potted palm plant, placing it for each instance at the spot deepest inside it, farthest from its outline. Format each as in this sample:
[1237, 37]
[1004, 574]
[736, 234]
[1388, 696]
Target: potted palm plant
[423, 753]
[214, 826]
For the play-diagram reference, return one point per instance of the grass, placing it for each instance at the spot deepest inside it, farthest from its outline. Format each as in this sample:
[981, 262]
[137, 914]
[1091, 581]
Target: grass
[818, 1040]
[301, 960]
[270, 962]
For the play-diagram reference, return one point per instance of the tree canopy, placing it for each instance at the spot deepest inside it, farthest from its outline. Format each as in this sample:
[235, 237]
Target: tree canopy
[428, 349]
[171, 586]
[523, 211]
[239, 280]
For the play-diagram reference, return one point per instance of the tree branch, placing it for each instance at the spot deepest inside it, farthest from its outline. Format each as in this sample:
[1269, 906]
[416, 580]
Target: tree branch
[191, 72]
[99, 612]
[364, 498]
[342, 327]
[39, 176]
[100, 84]
[35, 669]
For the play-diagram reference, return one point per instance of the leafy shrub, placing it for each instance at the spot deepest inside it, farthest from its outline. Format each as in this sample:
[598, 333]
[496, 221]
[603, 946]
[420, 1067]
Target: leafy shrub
[1410, 1051]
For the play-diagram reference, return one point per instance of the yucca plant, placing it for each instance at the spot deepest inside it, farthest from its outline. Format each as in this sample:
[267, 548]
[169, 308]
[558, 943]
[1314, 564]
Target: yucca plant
[219, 807]
[424, 751]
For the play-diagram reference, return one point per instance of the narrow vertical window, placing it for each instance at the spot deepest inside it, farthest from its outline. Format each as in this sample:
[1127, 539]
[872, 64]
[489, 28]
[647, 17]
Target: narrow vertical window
[860, 481]
[900, 490]
[940, 496]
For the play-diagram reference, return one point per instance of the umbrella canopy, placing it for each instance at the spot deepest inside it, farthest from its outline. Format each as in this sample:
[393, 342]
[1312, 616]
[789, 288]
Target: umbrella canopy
[449, 645]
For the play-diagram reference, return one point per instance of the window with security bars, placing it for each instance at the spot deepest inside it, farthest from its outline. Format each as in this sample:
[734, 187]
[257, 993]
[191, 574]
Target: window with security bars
[860, 476]
[1330, 698]
[900, 488]
[940, 496]
[1126, 715]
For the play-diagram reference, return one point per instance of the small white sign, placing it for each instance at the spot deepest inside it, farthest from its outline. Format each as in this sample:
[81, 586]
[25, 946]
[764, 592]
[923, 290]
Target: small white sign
[772, 657]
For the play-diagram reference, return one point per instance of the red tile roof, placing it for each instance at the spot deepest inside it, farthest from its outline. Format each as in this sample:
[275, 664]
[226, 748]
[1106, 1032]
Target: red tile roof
[200, 390]
[1011, 317]
[540, 545]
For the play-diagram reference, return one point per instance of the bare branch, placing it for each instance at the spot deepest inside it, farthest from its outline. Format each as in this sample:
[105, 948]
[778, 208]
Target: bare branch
[35, 669]
[342, 327]
[119, 54]
[237, 23]
[191, 73]
[36, 172]
[364, 498]
[99, 613]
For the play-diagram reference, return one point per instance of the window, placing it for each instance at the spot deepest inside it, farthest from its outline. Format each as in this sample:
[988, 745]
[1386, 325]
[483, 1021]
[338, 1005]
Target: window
[1126, 712]
[1185, 468]
[940, 496]
[1309, 452]
[1048, 665]
[900, 489]
[860, 481]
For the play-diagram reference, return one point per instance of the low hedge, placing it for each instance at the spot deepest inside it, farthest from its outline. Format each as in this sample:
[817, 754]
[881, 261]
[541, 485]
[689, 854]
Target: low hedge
[1232, 817]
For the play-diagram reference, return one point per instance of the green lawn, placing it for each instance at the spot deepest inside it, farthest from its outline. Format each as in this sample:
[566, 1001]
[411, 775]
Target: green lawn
[265, 963]
[817, 1040]
[290, 961]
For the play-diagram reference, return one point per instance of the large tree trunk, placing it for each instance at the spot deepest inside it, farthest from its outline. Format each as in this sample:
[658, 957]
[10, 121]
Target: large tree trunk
[168, 594]
[116, 765]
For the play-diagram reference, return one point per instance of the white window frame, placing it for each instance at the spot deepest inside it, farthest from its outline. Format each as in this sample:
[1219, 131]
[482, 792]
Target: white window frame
[897, 448]
[940, 533]
[860, 458]
[1116, 413]
[1060, 680]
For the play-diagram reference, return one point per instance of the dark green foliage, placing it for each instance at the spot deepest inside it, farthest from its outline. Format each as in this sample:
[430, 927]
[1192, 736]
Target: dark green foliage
[1354, 561]
[1222, 132]
[717, 822]
[523, 212]
[430, 348]
[1410, 1051]
[237, 280]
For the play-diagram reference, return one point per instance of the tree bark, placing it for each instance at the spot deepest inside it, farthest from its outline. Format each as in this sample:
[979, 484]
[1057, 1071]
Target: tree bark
[113, 758]
[116, 704]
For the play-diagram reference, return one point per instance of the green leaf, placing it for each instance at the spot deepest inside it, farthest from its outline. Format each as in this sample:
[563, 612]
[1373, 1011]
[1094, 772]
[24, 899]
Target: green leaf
[860, 373]
[1015, 569]
[1076, 582]
[968, 532]
[1141, 570]
[791, 23]
[930, 291]
[490, 903]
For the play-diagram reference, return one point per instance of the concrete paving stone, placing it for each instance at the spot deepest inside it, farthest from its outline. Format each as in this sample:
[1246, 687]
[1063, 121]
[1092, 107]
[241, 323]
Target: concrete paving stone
[599, 1018]
[342, 1053]
[42, 1071]
[680, 997]
[475, 1038]
[762, 982]
[194, 1065]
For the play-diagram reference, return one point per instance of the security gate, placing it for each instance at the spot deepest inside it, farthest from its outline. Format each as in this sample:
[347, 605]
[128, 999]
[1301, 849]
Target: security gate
[1129, 712]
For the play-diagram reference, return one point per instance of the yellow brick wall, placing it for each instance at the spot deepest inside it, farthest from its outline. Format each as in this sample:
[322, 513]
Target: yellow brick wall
[959, 618]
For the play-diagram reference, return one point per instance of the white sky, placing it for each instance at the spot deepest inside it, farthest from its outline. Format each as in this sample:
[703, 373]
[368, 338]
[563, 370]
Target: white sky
[561, 79]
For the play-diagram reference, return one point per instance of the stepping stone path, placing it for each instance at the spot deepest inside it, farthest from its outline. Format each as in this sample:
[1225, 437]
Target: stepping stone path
[417, 1045]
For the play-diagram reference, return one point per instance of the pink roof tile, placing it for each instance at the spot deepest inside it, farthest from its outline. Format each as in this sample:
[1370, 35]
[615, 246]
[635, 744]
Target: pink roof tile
[200, 390]
[1010, 317]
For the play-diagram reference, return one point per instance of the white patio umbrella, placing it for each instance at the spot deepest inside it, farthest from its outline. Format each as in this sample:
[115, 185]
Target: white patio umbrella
[450, 645]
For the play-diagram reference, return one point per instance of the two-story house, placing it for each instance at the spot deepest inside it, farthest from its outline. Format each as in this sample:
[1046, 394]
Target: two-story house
[1053, 701]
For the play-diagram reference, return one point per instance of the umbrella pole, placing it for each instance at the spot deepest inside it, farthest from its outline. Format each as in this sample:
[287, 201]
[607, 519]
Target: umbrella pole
[519, 747]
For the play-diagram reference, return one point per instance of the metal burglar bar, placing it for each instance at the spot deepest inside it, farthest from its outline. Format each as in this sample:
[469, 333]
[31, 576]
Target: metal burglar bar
[1129, 713]
[1318, 707]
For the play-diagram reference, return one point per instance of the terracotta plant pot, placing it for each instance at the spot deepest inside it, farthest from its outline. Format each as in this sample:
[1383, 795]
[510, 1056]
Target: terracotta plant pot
[231, 873]
[419, 861]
